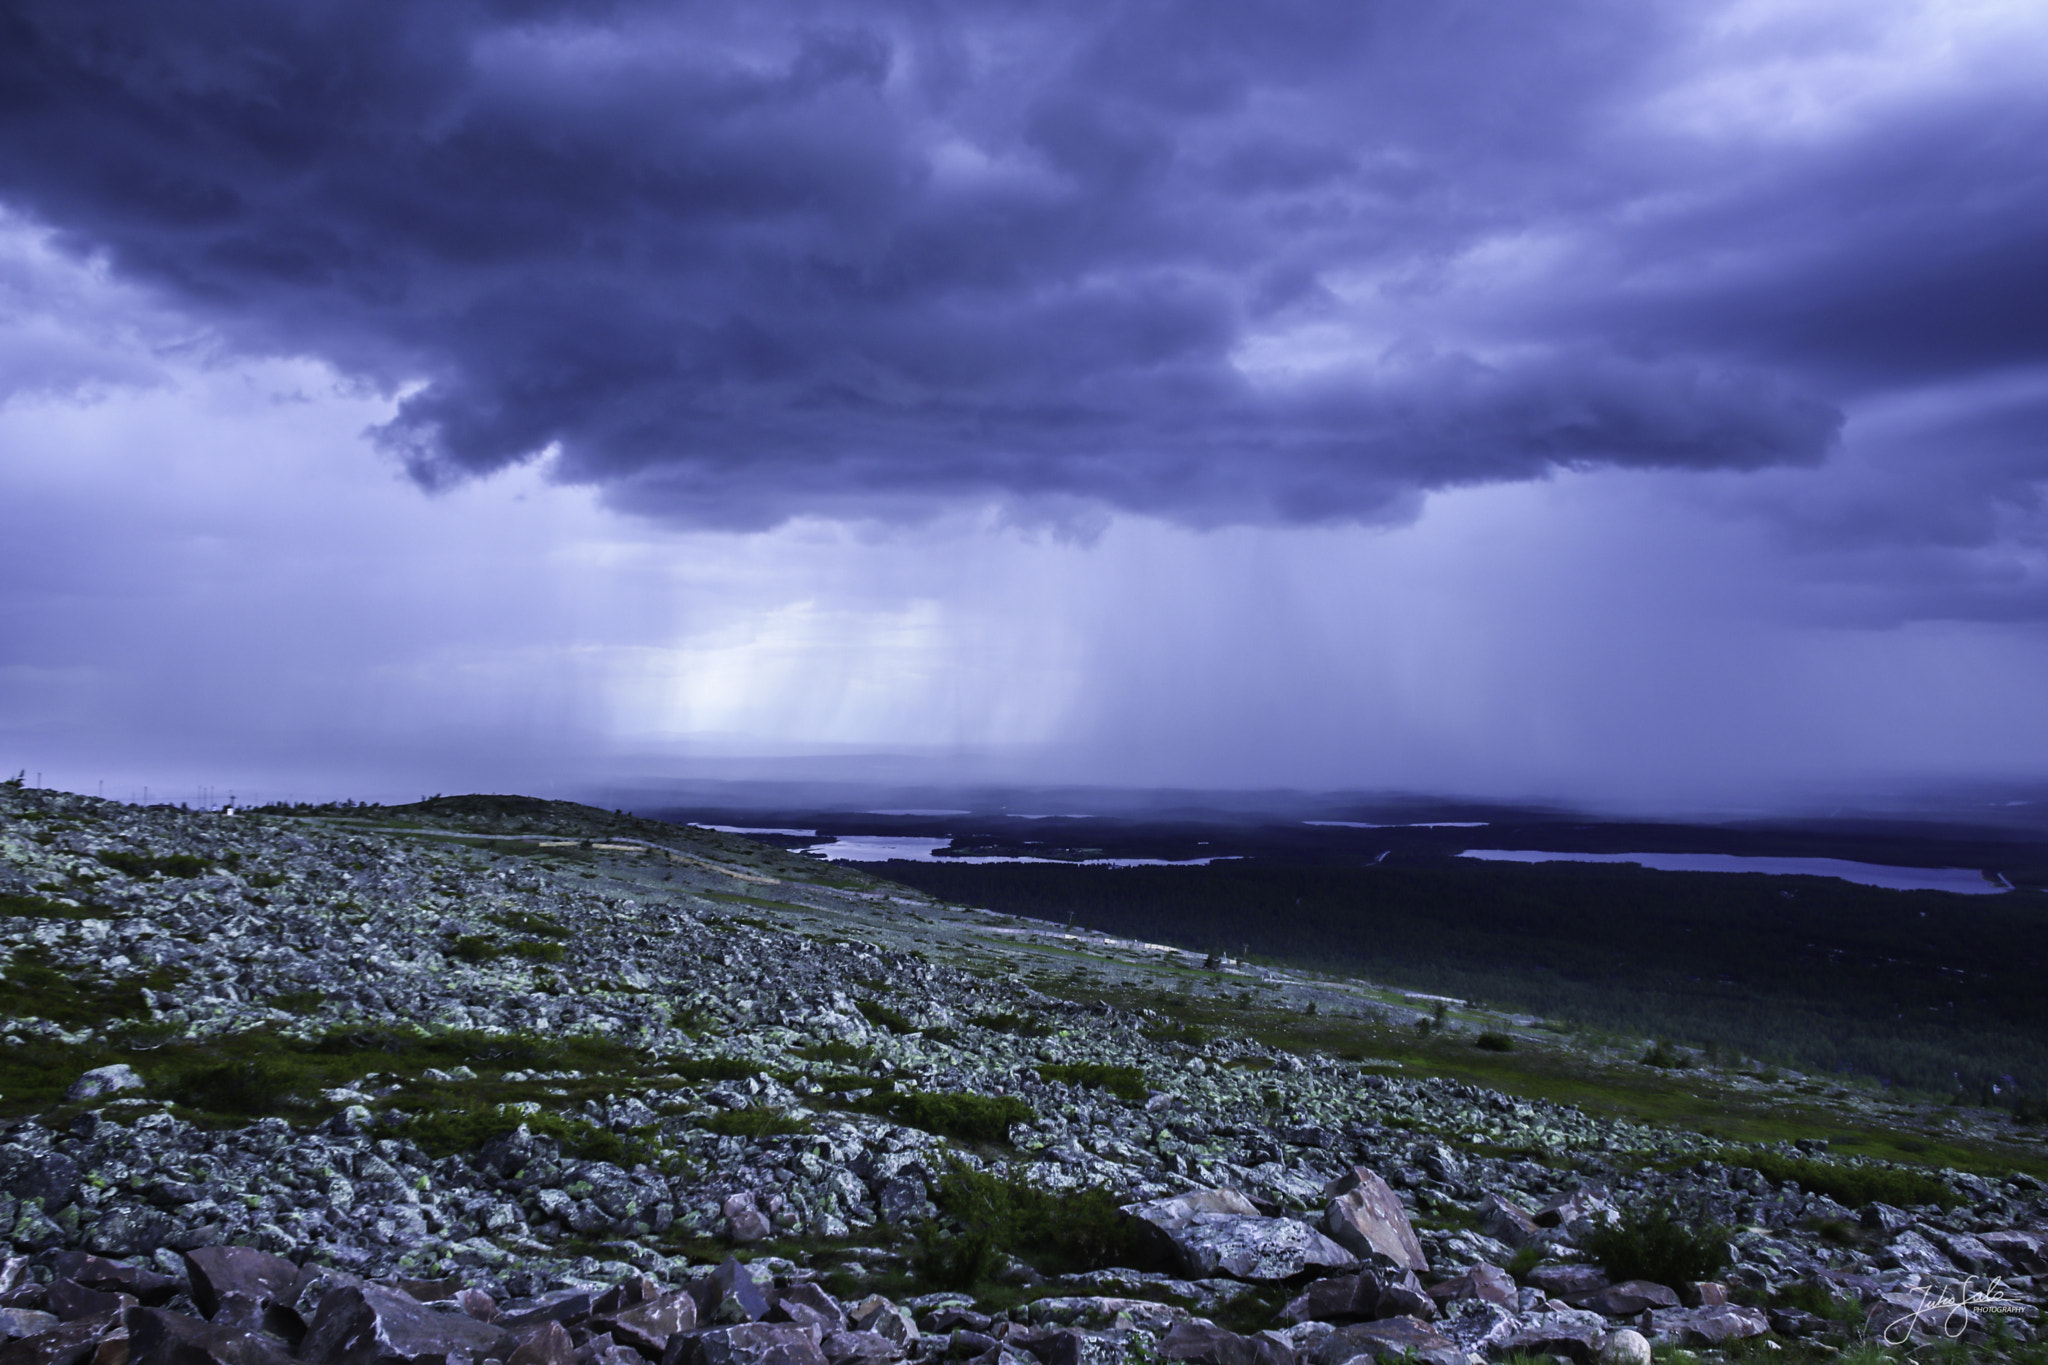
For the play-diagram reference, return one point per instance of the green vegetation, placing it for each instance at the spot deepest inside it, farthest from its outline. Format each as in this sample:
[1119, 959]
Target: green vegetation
[836, 1051]
[1494, 1041]
[1822, 974]
[1657, 1244]
[992, 1219]
[1127, 1083]
[35, 987]
[142, 866]
[35, 907]
[527, 922]
[447, 1130]
[881, 1016]
[1175, 1032]
[976, 1118]
[481, 948]
[1662, 1054]
[266, 881]
[714, 1068]
[1022, 1026]
[755, 1123]
[1850, 1186]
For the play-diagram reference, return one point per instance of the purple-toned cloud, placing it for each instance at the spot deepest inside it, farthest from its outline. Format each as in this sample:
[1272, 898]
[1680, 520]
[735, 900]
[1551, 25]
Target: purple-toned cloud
[1215, 263]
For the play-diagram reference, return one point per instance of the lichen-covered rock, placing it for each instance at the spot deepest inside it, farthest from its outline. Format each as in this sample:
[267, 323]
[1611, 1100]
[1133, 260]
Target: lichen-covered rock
[1365, 1217]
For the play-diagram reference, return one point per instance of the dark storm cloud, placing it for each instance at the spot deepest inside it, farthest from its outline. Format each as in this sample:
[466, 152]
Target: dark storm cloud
[737, 263]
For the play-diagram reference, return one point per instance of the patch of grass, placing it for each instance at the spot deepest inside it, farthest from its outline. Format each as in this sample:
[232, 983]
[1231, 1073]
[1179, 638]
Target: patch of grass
[975, 1118]
[1525, 1260]
[533, 951]
[1816, 1299]
[1022, 1026]
[837, 1051]
[34, 986]
[477, 949]
[755, 1123]
[35, 907]
[141, 866]
[881, 1016]
[265, 881]
[448, 1130]
[527, 922]
[1850, 1186]
[992, 1219]
[715, 1068]
[1656, 1244]
[299, 1002]
[1493, 1041]
[1174, 1031]
[1127, 1083]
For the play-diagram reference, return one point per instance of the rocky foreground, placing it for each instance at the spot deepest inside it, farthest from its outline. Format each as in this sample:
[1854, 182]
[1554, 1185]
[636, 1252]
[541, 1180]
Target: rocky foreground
[609, 1092]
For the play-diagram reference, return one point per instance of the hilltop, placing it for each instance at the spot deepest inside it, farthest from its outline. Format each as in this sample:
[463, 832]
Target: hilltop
[466, 1060]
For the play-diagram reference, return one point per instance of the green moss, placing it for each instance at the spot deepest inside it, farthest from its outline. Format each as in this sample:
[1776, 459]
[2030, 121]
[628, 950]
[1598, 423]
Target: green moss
[1493, 1041]
[1127, 1083]
[537, 952]
[715, 1068]
[478, 948]
[299, 1002]
[1174, 1031]
[837, 1051]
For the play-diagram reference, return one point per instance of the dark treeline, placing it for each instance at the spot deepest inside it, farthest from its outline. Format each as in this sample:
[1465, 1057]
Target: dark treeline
[1925, 989]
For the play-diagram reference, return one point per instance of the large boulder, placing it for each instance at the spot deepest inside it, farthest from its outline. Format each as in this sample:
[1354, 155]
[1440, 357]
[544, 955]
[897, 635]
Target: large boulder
[1508, 1223]
[1220, 1232]
[1628, 1299]
[648, 1325]
[1573, 1332]
[371, 1325]
[1566, 1282]
[1707, 1326]
[1403, 1339]
[1365, 1217]
[159, 1337]
[1204, 1343]
[1368, 1294]
[1476, 1325]
[241, 1287]
[746, 1343]
[2026, 1251]
[1482, 1281]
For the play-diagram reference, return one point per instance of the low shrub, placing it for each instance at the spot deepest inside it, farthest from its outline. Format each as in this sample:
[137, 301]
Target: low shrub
[532, 951]
[1656, 1244]
[1663, 1054]
[989, 1219]
[1193, 1035]
[1127, 1083]
[450, 1130]
[141, 866]
[976, 1118]
[1492, 1041]
[35, 907]
[478, 948]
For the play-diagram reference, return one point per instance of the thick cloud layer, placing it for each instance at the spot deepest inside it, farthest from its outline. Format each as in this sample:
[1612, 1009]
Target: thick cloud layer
[1219, 263]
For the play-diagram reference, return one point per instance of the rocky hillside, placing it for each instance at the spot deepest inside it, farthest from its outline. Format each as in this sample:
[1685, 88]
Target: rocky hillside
[523, 1081]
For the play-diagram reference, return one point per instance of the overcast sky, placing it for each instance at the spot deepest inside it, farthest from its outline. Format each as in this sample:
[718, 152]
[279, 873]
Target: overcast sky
[1626, 402]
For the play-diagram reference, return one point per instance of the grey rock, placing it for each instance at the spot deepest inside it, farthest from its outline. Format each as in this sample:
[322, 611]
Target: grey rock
[730, 1295]
[808, 1305]
[1625, 1347]
[647, 1326]
[744, 1221]
[1402, 1339]
[1204, 1343]
[1566, 1281]
[1508, 1222]
[748, 1343]
[102, 1081]
[1571, 1332]
[158, 1337]
[1628, 1299]
[371, 1325]
[1708, 1326]
[1365, 1217]
[858, 1348]
[1476, 1325]
[1482, 1281]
